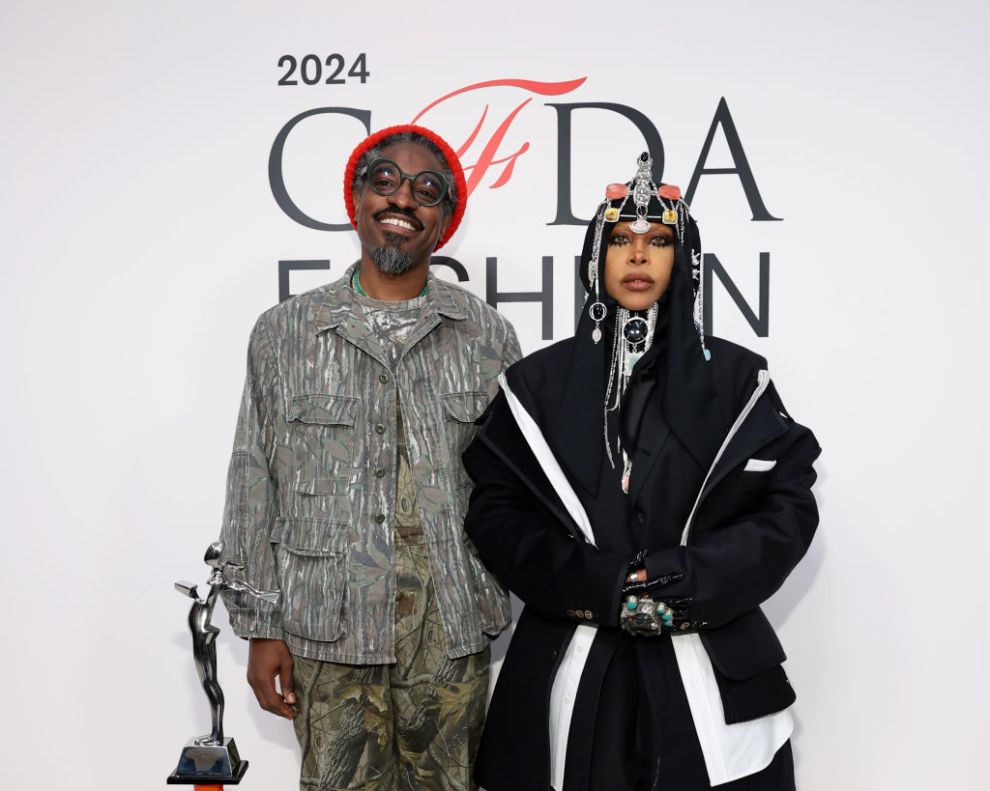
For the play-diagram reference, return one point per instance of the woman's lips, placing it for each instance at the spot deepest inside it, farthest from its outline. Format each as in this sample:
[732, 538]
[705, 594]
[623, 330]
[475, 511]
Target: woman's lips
[637, 283]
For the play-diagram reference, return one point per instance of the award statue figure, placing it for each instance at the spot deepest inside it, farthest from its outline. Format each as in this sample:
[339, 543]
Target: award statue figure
[211, 760]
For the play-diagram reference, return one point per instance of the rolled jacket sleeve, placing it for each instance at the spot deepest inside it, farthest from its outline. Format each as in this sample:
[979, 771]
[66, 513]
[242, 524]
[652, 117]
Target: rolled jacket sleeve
[250, 501]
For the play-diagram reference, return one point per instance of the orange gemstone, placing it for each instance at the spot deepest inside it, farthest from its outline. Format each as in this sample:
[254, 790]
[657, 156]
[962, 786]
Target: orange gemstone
[616, 191]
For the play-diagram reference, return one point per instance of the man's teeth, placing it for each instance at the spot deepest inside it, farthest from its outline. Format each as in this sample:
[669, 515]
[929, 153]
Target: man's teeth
[399, 223]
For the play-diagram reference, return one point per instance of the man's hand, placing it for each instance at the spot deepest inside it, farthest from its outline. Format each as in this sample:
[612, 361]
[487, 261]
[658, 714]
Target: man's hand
[268, 660]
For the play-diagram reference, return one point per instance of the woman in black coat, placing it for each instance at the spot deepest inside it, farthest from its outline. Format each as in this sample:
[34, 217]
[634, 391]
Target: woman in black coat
[643, 490]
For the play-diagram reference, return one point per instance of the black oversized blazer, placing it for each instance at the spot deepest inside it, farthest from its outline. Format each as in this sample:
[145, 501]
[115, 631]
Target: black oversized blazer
[750, 529]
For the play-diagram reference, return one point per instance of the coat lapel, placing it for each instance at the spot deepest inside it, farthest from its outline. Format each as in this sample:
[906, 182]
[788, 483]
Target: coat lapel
[340, 312]
[576, 425]
[501, 434]
[761, 428]
[654, 433]
[563, 394]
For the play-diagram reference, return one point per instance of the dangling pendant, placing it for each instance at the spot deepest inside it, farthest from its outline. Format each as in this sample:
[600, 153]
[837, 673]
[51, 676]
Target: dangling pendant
[626, 472]
[640, 225]
[635, 329]
[597, 311]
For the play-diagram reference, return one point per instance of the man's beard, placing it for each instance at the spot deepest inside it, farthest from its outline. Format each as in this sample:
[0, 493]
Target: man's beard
[391, 259]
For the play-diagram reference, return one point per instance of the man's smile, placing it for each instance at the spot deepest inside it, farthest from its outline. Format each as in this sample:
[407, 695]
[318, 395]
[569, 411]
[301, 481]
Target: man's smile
[398, 222]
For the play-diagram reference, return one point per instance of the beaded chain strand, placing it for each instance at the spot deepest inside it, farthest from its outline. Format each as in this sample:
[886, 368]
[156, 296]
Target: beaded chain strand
[625, 355]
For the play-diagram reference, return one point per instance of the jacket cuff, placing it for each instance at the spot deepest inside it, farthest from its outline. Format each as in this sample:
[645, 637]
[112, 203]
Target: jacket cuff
[607, 613]
[688, 615]
[668, 564]
[246, 625]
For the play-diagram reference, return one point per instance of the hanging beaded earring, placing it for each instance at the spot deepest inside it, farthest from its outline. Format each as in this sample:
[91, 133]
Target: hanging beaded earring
[675, 212]
[597, 310]
[606, 214]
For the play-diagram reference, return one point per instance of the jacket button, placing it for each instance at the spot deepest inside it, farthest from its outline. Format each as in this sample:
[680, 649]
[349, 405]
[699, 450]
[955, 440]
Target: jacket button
[380, 518]
[379, 473]
[383, 378]
[380, 428]
[641, 517]
[570, 613]
[588, 614]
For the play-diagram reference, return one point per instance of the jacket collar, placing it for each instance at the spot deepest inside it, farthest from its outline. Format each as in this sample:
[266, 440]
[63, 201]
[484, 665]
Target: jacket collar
[338, 302]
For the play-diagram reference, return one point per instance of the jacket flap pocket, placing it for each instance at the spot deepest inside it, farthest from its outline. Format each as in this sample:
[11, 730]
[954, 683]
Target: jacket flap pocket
[465, 407]
[322, 487]
[310, 536]
[745, 647]
[324, 409]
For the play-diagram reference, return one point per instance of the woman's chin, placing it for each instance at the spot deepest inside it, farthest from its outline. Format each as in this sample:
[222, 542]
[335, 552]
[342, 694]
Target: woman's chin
[640, 300]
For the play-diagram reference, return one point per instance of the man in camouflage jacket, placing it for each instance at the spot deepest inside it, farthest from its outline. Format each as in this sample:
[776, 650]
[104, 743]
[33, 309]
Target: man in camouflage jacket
[346, 492]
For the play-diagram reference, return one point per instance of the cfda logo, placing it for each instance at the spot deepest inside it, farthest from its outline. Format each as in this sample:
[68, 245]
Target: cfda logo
[489, 159]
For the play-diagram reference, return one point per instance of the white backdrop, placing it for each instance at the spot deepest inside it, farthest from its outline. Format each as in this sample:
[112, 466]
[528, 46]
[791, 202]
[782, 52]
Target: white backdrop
[141, 238]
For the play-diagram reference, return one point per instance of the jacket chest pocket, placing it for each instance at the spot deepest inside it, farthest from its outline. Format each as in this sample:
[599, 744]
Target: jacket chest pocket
[751, 485]
[311, 563]
[460, 412]
[322, 436]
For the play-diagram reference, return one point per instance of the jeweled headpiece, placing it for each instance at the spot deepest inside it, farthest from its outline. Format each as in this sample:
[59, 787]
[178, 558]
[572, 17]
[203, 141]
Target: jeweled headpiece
[640, 201]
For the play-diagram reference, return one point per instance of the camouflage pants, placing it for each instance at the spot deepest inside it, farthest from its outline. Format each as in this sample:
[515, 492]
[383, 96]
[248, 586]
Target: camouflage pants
[412, 725]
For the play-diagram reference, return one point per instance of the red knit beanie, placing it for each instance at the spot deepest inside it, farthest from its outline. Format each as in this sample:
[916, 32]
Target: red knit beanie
[452, 161]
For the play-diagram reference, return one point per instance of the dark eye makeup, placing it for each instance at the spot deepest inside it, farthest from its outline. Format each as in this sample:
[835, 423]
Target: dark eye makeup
[658, 240]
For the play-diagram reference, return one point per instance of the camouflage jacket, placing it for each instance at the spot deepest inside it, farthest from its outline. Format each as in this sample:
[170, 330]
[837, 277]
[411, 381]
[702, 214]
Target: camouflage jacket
[312, 479]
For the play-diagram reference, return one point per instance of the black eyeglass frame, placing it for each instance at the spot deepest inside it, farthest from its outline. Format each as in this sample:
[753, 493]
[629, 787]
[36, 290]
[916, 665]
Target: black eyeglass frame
[403, 177]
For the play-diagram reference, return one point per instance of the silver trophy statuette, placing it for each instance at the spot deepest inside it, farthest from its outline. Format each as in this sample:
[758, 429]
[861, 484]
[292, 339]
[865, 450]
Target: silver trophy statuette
[211, 758]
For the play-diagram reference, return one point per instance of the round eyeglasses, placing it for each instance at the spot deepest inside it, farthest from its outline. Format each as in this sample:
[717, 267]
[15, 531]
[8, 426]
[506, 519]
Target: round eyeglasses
[385, 178]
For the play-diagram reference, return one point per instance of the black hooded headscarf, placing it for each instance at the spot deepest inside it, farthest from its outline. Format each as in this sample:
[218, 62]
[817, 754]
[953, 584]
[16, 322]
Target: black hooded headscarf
[677, 361]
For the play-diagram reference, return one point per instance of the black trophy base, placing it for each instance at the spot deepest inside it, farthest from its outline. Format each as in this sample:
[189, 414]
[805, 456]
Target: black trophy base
[213, 764]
